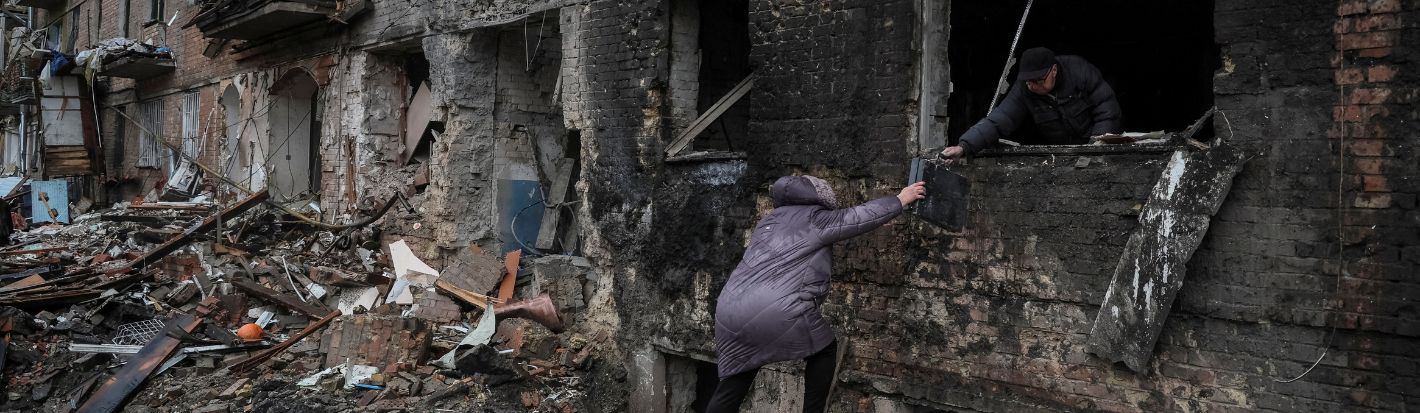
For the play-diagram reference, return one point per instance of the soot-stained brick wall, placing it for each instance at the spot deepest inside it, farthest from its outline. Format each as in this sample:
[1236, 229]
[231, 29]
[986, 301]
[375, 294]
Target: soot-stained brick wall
[995, 317]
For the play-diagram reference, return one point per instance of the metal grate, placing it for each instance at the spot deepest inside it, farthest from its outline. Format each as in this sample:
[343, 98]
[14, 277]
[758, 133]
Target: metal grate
[138, 332]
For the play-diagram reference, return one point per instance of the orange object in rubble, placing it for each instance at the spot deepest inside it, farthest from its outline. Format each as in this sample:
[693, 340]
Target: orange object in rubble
[250, 332]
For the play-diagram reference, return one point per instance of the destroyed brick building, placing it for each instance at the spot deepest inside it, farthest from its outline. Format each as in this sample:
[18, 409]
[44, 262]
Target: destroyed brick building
[1253, 249]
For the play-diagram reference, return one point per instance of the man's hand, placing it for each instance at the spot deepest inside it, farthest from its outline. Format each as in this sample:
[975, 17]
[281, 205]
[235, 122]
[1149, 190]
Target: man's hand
[952, 152]
[912, 193]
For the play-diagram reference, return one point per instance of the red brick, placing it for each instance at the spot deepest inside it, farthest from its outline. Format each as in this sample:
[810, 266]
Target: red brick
[1375, 183]
[1376, 52]
[1384, 6]
[1350, 76]
[1380, 73]
[1369, 96]
[1350, 7]
[1372, 111]
[1371, 40]
[1369, 166]
[1368, 147]
[1377, 22]
[1348, 113]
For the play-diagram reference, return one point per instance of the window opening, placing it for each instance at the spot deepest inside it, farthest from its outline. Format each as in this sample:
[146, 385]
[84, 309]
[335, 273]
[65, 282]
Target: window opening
[1161, 71]
[709, 63]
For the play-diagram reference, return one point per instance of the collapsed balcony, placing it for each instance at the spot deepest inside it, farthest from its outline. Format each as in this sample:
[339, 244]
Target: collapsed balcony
[257, 19]
[125, 58]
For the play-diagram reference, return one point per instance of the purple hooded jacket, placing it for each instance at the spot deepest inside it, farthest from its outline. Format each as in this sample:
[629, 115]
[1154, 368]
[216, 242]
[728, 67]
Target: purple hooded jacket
[769, 309]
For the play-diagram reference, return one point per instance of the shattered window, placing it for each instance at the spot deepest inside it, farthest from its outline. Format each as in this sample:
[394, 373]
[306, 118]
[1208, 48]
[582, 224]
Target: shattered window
[151, 116]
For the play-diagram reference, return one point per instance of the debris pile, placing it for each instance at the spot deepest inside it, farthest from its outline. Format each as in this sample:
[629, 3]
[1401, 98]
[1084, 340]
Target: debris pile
[200, 307]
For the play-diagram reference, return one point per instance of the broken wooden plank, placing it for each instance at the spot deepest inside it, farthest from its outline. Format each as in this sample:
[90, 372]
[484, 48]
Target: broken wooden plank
[258, 358]
[154, 221]
[49, 298]
[466, 296]
[24, 282]
[41, 270]
[286, 300]
[116, 390]
[510, 277]
[134, 349]
[561, 176]
[183, 206]
[1151, 268]
[710, 115]
[33, 251]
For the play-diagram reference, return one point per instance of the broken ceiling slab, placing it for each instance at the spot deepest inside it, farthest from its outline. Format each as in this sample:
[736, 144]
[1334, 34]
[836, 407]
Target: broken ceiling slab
[138, 67]
[1151, 269]
[263, 20]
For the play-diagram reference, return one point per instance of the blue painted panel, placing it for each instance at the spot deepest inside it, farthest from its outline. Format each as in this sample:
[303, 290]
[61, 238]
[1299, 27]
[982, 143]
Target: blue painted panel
[57, 192]
[521, 200]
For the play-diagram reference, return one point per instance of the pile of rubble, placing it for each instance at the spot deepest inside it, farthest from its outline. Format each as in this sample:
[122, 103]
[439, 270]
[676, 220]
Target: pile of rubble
[196, 307]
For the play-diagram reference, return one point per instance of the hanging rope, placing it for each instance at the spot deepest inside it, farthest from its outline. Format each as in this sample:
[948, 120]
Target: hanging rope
[1010, 59]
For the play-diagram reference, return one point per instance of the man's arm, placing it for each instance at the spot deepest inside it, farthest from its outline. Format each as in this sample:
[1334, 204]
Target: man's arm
[1002, 122]
[1106, 111]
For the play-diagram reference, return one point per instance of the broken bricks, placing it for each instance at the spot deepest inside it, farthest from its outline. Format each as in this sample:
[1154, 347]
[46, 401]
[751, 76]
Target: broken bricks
[252, 271]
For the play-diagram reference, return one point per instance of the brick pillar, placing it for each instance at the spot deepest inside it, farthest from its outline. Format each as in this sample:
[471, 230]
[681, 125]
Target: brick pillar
[1368, 64]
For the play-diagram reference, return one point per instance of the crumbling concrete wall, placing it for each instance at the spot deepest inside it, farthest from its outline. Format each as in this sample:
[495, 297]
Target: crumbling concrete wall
[463, 70]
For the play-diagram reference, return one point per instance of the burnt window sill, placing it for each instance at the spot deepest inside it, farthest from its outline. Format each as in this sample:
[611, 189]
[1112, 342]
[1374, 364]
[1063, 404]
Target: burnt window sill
[1168, 145]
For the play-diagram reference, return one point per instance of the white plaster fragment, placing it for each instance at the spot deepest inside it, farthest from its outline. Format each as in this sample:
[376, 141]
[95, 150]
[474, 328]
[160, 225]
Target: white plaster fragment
[1175, 173]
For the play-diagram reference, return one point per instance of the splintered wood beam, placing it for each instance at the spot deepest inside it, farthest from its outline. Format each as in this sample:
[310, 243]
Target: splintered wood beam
[710, 115]
[476, 299]
[286, 300]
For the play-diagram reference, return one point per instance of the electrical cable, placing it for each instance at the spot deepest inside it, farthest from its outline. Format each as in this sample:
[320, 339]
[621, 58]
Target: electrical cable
[1342, 212]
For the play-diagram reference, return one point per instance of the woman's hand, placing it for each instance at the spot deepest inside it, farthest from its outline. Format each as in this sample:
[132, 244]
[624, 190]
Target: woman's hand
[912, 193]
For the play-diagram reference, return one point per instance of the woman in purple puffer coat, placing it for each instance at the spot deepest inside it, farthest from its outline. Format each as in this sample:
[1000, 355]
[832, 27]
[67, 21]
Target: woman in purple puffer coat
[769, 309]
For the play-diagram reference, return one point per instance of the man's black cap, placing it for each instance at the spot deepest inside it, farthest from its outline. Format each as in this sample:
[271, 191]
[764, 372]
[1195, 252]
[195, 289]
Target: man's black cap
[1036, 63]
